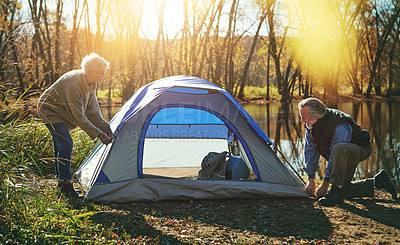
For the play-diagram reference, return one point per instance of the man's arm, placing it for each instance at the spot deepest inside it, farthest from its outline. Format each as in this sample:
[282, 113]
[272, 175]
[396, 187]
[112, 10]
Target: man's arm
[311, 159]
[311, 155]
[93, 113]
[75, 104]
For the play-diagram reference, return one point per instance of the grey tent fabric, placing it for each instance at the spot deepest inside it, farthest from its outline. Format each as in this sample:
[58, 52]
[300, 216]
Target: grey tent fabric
[191, 109]
[182, 189]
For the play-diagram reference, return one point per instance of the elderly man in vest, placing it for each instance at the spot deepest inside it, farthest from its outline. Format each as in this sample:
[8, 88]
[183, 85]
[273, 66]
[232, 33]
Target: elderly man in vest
[341, 141]
[70, 102]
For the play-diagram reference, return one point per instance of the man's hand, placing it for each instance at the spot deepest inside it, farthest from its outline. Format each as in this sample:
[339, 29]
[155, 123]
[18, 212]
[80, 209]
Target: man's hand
[104, 138]
[310, 187]
[109, 132]
[323, 190]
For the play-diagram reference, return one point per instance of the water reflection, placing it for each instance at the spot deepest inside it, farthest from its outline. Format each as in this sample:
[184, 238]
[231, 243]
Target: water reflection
[282, 124]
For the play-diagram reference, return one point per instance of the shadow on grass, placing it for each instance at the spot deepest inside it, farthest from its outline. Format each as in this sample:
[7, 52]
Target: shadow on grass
[295, 217]
[132, 227]
[378, 210]
[129, 227]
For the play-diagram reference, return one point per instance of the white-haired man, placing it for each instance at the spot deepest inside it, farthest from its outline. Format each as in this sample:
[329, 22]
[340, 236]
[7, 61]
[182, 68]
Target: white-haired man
[341, 141]
[70, 102]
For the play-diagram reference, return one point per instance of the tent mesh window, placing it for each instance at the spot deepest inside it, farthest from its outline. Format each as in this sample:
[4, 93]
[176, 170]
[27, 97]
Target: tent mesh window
[179, 138]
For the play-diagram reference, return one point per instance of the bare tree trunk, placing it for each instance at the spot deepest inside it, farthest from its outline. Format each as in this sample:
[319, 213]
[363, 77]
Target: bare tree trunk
[206, 39]
[74, 34]
[219, 49]
[273, 46]
[47, 37]
[156, 58]
[391, 65]
[353, 71]
[253, 46]
[100, 25]
[8, 32]
[57, 60]
[184, 63]
[88, 29]
[38, 49]
[382, 41]
[196, 47]
[229, 63]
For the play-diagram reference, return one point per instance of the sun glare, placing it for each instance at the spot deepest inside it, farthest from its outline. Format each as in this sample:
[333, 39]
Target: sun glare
[172, 20]
[319, 44]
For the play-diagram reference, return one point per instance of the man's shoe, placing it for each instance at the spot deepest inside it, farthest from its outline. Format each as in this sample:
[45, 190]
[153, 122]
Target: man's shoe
[334, 197]
[383, 181]
[68, 189]
[359, 188]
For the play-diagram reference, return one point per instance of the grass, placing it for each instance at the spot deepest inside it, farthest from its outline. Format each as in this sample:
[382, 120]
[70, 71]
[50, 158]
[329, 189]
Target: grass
[31, 212]
[258, 92]
[115, 94]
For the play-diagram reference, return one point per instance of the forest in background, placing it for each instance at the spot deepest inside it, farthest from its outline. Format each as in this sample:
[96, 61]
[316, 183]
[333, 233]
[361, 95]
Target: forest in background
[299, 46]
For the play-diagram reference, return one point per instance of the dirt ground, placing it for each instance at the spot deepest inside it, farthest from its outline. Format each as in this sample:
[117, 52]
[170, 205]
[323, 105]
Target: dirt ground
[265, 221]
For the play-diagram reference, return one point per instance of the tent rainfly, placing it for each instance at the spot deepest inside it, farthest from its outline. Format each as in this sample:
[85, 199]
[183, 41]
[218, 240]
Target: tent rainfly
[167, 127]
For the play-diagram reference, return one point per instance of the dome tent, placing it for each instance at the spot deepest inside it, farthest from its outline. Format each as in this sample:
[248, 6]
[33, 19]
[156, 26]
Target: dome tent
[173, 123]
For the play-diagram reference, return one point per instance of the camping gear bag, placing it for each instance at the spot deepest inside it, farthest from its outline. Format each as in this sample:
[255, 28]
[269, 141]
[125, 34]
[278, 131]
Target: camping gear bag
[213, 166]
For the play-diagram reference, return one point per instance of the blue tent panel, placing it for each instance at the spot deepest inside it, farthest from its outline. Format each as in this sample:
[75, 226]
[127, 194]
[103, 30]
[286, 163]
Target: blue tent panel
[184, 115]
[189, 131]
[188, 90]
[102, 177]
[184, 122]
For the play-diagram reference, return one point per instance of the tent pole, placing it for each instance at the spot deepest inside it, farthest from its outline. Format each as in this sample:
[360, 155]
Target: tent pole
[298, 175]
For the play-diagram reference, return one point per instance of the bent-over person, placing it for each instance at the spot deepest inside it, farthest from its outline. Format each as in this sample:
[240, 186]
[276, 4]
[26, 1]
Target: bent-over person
[335, 136]
[70, 102]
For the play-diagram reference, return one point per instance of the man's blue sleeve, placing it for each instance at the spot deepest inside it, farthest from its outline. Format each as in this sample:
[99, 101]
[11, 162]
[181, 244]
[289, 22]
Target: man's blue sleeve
[311, 155]
[342, 134]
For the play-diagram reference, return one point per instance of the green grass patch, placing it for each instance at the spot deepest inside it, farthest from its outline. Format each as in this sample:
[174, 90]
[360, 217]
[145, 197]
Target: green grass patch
[31, 211]
[115, 94]
[252, 92]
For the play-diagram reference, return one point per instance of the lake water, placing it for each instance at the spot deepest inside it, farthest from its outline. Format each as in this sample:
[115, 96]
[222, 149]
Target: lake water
[281, 123]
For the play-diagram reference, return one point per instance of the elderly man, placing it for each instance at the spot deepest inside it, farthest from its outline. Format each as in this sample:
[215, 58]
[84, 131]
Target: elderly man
[341, 141]
[70, 102]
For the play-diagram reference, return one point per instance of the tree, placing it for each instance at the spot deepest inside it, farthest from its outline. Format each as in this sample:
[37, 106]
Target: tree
[57, 50]
[9, 28]
[285, 78]
[393, 65]
[381, 20]
[247, 65]
[74, 33]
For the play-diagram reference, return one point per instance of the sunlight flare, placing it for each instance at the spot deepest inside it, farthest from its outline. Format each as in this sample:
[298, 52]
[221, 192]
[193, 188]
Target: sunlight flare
[320, 46]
